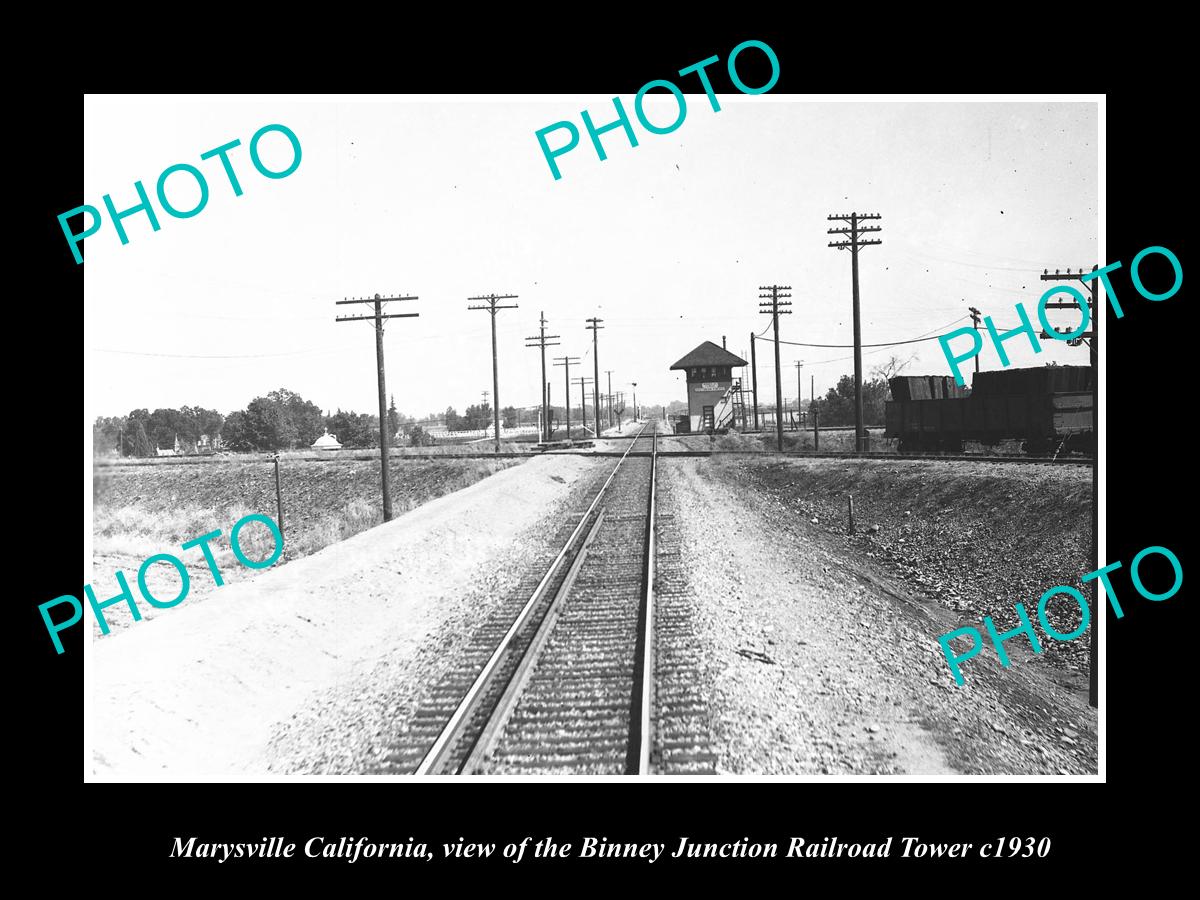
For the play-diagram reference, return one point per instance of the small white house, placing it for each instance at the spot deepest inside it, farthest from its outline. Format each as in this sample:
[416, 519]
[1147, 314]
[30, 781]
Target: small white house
[174, 451]
[326, 441]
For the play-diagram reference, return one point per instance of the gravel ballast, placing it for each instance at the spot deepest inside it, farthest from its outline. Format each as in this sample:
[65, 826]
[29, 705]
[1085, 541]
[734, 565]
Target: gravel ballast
[972, 537]
[828, 660]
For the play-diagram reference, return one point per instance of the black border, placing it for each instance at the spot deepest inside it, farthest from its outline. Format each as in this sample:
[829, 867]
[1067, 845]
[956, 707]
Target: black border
[1146, 351]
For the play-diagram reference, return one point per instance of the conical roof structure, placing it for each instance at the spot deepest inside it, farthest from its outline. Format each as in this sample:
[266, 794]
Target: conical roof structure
[327, 441]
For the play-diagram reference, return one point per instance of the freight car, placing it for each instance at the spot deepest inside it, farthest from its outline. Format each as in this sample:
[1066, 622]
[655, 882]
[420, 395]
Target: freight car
[1048, 409]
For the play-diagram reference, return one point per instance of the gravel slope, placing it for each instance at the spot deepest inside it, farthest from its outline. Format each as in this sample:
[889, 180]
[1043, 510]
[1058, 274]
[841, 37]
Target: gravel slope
[829, 664]
[971, 537]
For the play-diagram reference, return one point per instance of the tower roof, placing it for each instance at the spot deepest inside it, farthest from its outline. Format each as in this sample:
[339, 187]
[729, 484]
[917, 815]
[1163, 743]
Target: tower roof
[709, 354]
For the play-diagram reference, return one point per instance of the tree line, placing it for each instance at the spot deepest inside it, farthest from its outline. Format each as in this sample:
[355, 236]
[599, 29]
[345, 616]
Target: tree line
[142, 432]
[837, 406]
[280, 420]
[283, 420]
[477, 418]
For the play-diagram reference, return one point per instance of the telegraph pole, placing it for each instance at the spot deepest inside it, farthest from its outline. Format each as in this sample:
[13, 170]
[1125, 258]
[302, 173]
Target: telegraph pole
[1092, 338]
[799, 391]
[543, 340]
[855, 243]
[772, 309]
[278, 495]
[594, 326]
[492, 307]
[377, 319]
[583, 402]
[812, 404]
[975, 315]
[610, 398]
[566, 361]
[754, 377]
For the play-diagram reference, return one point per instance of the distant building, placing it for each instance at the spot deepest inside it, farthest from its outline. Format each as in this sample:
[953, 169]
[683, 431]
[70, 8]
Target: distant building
[174, 451]
[709, 372]
[326, 441]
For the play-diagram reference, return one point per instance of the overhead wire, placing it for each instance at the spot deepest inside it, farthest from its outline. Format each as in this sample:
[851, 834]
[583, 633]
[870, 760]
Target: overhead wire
[220, 356]
[958, 262]
[915, 340]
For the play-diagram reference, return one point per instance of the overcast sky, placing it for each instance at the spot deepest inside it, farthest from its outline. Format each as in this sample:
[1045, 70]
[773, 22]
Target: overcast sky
[668, 242]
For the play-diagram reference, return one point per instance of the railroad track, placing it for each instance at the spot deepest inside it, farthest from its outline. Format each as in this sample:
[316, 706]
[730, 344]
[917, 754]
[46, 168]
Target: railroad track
[564, 683]
[617, 454]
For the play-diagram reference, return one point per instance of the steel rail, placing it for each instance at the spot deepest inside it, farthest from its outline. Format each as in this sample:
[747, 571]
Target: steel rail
[451, 729]
[507, 702]
[644, 687]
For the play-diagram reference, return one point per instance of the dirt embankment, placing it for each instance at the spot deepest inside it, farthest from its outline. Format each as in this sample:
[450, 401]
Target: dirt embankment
[823, 647]
[973, 537]
[146, 509]
[306, 664]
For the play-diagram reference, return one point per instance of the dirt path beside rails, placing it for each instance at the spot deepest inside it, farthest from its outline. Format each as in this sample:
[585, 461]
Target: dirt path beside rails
[826, 665]
[272, 670]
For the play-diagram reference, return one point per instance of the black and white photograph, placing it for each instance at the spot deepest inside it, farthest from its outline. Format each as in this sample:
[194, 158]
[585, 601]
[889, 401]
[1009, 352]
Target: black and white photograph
[707, 435]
